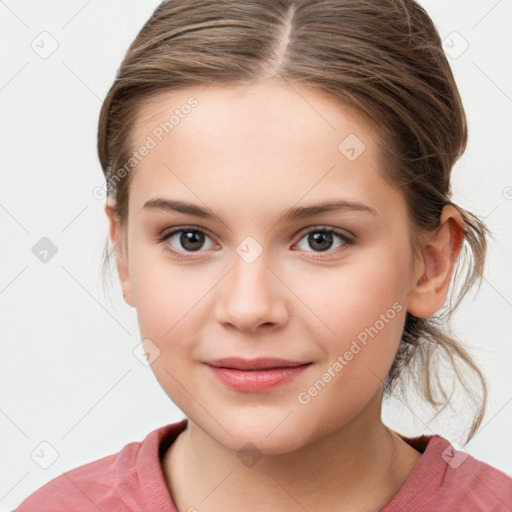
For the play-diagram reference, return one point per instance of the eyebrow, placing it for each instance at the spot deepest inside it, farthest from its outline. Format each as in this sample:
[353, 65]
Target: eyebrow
[295, 213]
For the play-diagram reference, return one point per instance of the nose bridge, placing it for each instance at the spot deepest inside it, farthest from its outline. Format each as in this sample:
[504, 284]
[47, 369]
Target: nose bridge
[250, 295]
[250, 271]
[251, 275]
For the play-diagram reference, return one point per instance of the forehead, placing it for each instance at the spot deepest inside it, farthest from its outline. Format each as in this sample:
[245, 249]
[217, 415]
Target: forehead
[272, 104]
[267, 141]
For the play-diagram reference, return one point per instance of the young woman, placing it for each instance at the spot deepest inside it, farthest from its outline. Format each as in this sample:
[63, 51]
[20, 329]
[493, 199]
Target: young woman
[278, 177]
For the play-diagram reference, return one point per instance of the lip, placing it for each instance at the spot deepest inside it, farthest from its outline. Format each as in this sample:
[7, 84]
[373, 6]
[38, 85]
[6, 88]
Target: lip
[261, 363]
[255, 375]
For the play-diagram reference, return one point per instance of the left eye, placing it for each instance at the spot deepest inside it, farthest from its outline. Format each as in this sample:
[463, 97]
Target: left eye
[321, 240]
[190, 239]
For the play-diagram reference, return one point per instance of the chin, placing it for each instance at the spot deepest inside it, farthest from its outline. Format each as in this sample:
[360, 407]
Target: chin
[263, 435]
[261, 444]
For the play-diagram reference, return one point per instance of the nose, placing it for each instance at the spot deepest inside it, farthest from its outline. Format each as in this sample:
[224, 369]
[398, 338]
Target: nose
[251, 296]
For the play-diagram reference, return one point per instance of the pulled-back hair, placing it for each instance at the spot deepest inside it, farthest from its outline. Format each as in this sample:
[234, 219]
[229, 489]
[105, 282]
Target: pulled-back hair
[382, 58]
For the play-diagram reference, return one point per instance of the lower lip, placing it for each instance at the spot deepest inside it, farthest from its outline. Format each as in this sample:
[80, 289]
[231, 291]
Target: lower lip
[253, 381]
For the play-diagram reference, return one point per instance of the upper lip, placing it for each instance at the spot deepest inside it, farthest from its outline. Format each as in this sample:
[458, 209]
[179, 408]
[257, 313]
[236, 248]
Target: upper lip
[262, 363]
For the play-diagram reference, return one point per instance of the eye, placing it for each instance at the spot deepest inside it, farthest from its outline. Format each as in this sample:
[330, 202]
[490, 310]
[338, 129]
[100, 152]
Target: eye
[321, 240]
[187, 239]
[182, 242]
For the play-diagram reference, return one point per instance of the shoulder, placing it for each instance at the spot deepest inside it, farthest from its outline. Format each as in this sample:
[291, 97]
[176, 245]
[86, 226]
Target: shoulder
[448, 478]
[122, 481]
[81, 488]
[481, 485]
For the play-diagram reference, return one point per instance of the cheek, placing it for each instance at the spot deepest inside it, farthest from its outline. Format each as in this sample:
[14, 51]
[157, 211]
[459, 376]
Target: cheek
[160, 292]
[363, 306]
[170, 311]
[354, 295]
[168, 305]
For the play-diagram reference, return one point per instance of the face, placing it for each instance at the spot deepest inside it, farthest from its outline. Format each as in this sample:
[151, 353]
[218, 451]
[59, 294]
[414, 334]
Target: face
[250, 271]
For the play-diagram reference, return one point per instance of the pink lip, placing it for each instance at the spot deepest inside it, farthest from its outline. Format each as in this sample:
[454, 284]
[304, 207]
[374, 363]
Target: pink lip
[254, 375]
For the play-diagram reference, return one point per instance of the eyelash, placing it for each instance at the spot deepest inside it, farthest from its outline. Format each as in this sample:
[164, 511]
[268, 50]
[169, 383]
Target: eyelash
[322, 229]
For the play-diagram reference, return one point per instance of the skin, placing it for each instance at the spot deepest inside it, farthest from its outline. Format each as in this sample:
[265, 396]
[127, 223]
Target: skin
[248, 153]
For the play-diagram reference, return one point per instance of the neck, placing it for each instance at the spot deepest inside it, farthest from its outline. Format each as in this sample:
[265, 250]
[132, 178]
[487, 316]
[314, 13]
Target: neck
[360, 466]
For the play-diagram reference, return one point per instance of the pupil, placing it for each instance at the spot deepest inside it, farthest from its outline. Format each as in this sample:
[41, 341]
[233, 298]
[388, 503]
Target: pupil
[191, 237]
[318, 238]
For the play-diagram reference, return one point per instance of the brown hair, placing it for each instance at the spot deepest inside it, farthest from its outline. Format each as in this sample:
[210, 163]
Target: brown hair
[383, 58]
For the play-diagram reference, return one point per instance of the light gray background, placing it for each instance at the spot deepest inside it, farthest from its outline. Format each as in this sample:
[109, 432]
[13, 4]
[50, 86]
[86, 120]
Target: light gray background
[68, 373]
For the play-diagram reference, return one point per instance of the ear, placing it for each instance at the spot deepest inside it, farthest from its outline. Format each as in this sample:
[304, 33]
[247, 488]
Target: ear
[120, 253]
[439, 254]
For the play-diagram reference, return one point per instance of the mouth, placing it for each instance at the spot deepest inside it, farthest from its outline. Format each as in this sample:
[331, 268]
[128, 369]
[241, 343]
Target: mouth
[262, 363]
[255, 375]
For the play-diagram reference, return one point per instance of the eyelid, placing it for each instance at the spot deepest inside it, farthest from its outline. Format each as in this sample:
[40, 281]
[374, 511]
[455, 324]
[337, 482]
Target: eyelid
[166, 234]
[186, 227]
[319, 227]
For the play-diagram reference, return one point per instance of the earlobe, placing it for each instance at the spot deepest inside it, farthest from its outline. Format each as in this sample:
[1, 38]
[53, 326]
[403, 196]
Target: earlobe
[120, 254]
[439, 254]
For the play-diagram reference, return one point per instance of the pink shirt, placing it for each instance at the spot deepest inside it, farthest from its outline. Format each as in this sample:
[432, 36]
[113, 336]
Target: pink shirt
[444, 479]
